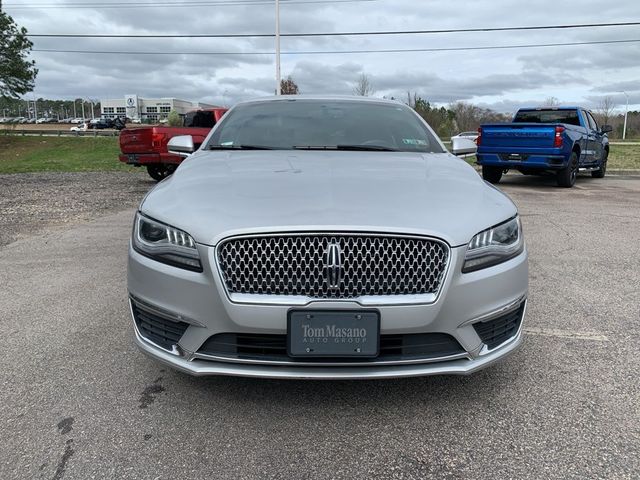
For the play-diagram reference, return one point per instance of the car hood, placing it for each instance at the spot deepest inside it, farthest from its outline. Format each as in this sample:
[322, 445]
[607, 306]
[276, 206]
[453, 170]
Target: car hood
[216, 194]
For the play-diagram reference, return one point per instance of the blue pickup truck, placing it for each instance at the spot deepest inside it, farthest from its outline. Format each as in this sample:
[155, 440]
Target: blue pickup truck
[563, 140]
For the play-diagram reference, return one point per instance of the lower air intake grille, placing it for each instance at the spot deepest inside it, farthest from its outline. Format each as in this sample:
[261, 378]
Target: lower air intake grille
[158, 330]
[274, 347]
[498, 330]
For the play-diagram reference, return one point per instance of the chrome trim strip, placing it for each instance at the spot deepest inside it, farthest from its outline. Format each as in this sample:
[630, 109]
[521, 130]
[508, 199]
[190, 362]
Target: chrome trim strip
[295, 300]
[416, 361]
[299, 300]
[485, 350]
[495, 313]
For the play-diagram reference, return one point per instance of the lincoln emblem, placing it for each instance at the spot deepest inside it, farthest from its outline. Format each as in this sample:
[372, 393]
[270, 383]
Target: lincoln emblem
[333, 268]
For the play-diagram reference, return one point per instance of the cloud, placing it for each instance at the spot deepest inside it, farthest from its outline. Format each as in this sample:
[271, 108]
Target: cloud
[618, 87]
[503, 78]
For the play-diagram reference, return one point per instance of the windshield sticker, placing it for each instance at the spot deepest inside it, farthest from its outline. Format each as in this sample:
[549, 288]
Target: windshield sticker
[414, 141]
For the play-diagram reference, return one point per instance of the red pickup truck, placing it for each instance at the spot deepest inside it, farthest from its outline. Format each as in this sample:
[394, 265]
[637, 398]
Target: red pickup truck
[147, 146]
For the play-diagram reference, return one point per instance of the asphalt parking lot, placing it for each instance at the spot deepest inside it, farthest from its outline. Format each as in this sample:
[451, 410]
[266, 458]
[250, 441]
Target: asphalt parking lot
[79, 401]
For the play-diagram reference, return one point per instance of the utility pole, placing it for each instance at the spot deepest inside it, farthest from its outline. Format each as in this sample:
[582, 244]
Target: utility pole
[278, 88]
[626, 112]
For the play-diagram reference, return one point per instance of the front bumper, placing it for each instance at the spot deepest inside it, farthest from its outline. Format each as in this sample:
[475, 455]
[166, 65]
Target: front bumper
[199, 367]
[199, 301]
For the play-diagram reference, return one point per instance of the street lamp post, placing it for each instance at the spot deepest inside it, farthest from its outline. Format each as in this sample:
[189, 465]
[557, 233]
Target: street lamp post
[626, 112]
[278, 88]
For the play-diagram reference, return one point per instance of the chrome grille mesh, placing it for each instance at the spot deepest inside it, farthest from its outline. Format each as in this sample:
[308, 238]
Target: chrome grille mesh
[294, 264]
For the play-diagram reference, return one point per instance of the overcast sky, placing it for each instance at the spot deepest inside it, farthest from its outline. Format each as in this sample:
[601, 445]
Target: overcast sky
[500, 79]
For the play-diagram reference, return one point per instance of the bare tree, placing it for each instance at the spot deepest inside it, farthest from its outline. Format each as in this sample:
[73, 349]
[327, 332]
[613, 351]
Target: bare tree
[363, 87]
[467, 116]
[550, 102]
[289, 87]
[606, 110]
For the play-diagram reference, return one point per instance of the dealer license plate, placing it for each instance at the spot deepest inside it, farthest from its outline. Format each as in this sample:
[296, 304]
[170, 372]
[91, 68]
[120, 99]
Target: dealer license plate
[333, 333]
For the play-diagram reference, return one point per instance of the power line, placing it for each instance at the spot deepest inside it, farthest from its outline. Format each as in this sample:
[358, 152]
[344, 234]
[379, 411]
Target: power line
[201, 3]
[153, 3]
[336, 34]
[338, 52]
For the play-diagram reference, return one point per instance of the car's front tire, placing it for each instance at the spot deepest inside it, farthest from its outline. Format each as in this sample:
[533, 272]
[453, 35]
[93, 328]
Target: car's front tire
[603, 166]
[566, 177]
[491, 174]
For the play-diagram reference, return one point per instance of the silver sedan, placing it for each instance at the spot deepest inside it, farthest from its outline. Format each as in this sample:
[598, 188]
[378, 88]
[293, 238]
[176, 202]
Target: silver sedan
[326, 238]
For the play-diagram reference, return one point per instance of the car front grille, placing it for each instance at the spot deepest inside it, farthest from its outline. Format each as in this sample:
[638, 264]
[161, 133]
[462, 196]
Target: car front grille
[498, 330]
[157, 329]
[270, 347]
[332, 266]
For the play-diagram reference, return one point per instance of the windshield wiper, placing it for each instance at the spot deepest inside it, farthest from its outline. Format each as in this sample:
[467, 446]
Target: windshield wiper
[371, 148]
[240, 147]
[364, 148]
[315, 147]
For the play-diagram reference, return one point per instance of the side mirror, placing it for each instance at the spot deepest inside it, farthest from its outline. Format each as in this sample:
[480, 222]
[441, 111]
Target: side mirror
[181, 145]
[606, 129]
[463, 146]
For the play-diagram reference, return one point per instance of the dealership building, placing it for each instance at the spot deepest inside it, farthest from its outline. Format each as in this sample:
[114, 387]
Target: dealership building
[147, 109]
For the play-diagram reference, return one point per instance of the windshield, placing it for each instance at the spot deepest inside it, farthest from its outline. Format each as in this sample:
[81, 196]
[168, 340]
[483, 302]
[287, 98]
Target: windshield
[569, 117]
[319, 124]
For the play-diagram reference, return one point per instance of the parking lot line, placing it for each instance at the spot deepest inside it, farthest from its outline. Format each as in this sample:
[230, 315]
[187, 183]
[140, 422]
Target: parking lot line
[556, 332]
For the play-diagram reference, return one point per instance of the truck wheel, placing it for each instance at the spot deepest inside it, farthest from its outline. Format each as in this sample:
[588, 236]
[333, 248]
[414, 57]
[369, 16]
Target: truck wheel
[567, 176]
[603, 166]
[160, 172]
[491, 174]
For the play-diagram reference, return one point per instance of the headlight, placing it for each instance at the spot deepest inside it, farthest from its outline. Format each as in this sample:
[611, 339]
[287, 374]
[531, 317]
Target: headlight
[494, 245]
[165, 244]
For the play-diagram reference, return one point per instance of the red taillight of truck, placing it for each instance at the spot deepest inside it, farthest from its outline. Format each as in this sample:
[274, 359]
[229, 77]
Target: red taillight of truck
[558, 140]
[479, 139]
[158, 139]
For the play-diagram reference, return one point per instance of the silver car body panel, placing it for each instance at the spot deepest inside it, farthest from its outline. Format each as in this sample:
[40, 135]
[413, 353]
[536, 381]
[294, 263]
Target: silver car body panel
[216, 195]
